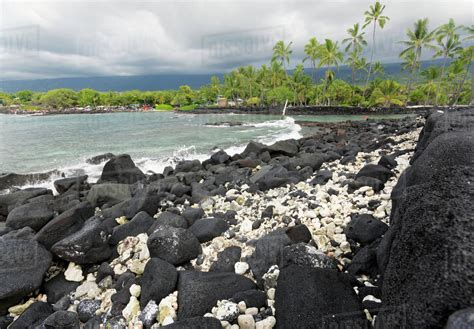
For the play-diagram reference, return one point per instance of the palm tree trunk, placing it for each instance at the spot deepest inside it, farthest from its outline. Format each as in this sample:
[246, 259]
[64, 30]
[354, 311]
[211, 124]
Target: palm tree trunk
[461, 84]
[371, 58]
[440, 78]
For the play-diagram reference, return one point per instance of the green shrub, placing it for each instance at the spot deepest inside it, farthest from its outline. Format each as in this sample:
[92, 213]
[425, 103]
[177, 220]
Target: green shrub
[163, 107]
[188, 107]
[253, 101]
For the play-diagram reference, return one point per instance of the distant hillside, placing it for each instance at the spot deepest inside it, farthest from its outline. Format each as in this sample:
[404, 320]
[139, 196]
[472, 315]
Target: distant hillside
[164, 81]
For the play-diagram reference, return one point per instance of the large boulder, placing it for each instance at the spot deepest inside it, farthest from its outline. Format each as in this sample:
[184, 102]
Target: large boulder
[89, 245]
[206, 229]
[174, 245]
[198, 292]
[365, 229]
[34, 215]
[64, 184]
[192, 215]
[168, 218]
[33, 316]
[121, 169]
[375, 171]
[268, 252]
[447, 150]
[23, 264]
[158, 281]
[439, 123]
[309, 297]
[139, 224]
[145, 201]
[65, 224]
[12, 180]
[424, 253]
[113, 193]
[306, 255]
[9, 201]
[313, 160]
[286, 147]
[428, 271]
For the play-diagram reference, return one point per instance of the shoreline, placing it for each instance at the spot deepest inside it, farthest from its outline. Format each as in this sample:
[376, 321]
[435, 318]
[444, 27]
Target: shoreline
[293, 111]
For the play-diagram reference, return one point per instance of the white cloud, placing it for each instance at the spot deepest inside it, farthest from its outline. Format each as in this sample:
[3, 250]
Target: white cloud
[74, 38]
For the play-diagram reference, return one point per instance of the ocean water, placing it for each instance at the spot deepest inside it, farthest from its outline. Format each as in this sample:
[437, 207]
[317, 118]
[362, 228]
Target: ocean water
[30, 144]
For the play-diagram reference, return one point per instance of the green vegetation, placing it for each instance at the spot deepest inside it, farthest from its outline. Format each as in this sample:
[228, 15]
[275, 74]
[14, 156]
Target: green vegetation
[163, 107]
[273, 85]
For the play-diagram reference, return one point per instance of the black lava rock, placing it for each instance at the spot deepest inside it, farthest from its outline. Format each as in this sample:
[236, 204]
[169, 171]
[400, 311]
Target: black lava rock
[198, 292]
[121, 169]
[375, 171]
[252, 298]
[62, 320]
[140, 223]
[23, 264]
[33, 316]
[192, 215]
[316, 298]
[167, 218]
[34, 215]
[65, 224]
[158, 281]
[196, 323]
[58, 287]
[388, 162]
[206, 229]
[365, 229]
[226, 260]
[89, 245]
[175, 245]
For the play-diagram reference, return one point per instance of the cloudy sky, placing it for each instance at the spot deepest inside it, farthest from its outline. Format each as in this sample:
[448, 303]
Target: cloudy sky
[75, 38]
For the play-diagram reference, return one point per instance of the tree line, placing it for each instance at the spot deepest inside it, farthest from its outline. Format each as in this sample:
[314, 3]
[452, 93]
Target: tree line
[274, 84]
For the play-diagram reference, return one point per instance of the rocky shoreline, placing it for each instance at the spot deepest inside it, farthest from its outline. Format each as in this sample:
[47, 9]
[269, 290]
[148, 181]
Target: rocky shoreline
[293, 110]
[345, 228]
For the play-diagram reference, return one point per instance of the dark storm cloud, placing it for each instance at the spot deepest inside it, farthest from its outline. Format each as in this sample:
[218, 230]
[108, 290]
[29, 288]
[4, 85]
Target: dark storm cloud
[57, 38]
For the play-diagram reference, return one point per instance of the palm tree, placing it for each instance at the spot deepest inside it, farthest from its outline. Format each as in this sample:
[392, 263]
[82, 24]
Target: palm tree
[277, 74]
[448, 45]
[330, 56]
[312, 50]
[374, 16]
[388, 93]
[282, 53]
[249, 78]
[466, 58]
[356, 40]
[355, 44]
[378, 69]
[431, 74]
[418, 39]
[232, 85]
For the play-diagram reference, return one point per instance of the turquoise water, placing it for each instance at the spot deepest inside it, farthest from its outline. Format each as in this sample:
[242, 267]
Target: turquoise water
[153, 139]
